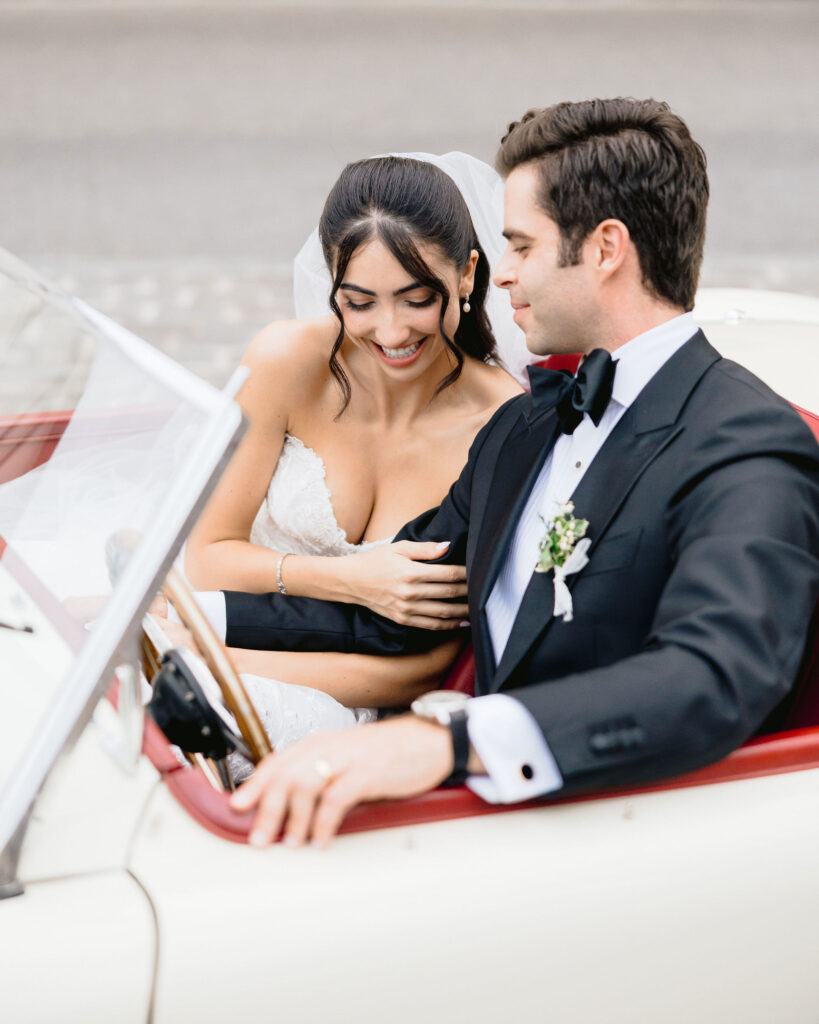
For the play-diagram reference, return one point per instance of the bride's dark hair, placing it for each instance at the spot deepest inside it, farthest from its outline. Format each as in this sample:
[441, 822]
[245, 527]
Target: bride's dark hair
[401, 202]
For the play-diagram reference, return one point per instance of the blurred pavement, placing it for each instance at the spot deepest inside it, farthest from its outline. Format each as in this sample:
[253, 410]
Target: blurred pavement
[166, 160]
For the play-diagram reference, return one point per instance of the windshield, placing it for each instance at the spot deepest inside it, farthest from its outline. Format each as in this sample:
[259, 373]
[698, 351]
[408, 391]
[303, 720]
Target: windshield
[106, 447]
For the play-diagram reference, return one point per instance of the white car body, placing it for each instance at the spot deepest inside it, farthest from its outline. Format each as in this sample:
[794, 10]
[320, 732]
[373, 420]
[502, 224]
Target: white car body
[691, 901]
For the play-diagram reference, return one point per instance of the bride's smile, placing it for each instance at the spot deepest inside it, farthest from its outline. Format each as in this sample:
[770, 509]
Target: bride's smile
[401, 356]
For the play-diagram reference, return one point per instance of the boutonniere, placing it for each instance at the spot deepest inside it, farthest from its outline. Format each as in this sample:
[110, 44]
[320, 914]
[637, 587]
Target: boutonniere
[563, 549]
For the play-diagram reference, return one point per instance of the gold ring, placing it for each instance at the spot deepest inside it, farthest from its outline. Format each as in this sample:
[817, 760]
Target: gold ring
[324, 770]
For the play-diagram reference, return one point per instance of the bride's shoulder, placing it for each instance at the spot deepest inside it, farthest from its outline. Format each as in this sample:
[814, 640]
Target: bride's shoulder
[493, 385]
[292, 350]
[288, 363]
[480, 391]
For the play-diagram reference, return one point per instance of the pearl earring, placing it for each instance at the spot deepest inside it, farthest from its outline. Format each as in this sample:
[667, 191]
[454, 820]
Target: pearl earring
[467, 307]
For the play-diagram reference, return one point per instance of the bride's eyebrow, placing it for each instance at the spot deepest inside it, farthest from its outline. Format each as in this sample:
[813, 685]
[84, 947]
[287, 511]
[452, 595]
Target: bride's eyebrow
[356, 288]
[366, 291]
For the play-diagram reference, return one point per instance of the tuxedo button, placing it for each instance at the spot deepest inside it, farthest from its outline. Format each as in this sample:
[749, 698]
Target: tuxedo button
[634, 737]
[578, 465]
[527, 771]
[617, 739]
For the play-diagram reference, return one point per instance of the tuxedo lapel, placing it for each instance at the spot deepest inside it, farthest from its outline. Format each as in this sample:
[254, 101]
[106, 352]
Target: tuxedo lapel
[646, 428]
[519, 462]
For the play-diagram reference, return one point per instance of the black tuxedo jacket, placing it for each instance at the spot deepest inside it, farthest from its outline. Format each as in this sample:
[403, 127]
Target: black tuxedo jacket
[691, 616]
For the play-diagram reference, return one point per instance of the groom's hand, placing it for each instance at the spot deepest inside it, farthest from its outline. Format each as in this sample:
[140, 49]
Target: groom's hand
[309, 787]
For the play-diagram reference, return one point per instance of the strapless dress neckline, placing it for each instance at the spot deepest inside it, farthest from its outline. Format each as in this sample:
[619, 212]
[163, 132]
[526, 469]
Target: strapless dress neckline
[297, 514]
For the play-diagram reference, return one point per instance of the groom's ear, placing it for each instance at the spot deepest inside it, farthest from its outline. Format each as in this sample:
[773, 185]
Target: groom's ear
[608, 245]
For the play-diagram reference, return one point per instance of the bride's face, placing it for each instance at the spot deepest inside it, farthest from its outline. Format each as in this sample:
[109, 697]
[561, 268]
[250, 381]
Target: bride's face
[395, 319]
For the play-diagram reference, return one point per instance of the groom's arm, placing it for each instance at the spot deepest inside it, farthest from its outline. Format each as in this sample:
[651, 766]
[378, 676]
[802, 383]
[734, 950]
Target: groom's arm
[284, 623]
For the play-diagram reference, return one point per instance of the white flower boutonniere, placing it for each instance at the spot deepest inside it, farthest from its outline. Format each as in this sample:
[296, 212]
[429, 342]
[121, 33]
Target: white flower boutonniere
[563, 549]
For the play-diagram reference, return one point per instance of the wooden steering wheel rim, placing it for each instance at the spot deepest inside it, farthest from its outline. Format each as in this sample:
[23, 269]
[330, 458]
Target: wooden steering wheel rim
[213, 651]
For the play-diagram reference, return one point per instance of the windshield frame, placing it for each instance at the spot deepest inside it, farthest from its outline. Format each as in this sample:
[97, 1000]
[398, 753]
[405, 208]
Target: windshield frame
[114, 638]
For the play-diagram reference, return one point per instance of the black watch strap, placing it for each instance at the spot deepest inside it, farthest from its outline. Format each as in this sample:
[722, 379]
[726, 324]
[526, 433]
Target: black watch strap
[460, 748]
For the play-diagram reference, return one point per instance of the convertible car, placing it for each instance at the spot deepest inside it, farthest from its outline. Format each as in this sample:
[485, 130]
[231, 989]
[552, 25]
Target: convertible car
[128, 891]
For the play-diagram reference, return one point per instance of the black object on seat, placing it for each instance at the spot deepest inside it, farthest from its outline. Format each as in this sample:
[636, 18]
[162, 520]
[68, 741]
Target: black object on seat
[180, 709]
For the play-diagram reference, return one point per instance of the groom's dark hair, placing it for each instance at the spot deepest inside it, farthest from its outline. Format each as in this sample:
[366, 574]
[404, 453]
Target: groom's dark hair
[633, 160]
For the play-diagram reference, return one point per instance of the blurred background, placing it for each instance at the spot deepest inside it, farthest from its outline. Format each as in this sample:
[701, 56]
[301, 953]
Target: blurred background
[165, 160]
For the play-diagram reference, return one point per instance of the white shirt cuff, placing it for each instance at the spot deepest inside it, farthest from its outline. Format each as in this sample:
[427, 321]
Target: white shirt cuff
[212, 603]
[518, 761]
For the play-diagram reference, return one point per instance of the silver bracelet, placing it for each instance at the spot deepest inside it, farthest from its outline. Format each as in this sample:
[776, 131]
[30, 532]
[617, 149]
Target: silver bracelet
[279, 583]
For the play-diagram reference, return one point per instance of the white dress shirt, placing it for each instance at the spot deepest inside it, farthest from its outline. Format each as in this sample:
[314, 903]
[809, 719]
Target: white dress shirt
[502, 731]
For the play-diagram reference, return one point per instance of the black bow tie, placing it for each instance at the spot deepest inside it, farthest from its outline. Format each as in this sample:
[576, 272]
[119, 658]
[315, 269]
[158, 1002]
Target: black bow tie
[588, 392]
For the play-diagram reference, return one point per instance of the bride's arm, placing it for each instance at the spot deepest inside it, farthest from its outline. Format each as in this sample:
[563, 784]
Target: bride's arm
[356, 680]
[393, 580]
[218, 553]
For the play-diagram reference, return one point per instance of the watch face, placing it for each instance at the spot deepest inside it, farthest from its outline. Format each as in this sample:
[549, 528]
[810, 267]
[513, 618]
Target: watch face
[438, 705]
[444, 698]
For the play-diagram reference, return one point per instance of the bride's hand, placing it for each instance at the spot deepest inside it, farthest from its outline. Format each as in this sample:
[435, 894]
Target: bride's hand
[396, 582]
[178, 635]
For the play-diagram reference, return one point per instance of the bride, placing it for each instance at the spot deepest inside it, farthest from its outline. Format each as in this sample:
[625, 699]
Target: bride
[359, 420]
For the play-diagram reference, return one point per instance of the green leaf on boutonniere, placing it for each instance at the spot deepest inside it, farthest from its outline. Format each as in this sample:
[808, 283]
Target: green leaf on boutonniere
[562, 534]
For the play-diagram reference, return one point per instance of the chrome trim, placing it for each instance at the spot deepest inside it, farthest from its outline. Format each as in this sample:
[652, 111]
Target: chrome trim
[9, 858]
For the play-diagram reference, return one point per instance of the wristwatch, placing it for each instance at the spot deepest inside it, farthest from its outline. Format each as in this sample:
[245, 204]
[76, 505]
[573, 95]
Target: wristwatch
[448, 708]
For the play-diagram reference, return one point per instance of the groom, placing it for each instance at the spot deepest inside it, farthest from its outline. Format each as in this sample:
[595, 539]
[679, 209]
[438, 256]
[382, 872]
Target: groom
[700, 488]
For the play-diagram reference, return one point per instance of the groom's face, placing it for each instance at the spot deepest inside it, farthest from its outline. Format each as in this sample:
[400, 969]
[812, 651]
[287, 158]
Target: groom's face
[554, 305]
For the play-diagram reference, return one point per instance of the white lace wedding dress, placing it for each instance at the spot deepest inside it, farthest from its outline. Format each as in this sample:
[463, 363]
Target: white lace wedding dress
[297, 517]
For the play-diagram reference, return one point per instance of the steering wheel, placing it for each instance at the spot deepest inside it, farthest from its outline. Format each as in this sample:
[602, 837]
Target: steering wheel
[213, 652]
